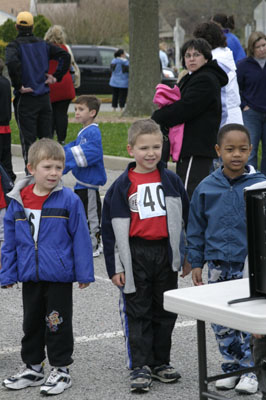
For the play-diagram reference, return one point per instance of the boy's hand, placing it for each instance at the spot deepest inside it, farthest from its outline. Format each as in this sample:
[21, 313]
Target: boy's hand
[186, 269]
[258, 336]
[197, 276]
[83, 285]
[119, 279]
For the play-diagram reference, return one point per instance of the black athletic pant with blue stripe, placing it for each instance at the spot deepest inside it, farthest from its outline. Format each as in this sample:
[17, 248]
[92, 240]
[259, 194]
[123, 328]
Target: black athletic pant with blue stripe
[148, 326]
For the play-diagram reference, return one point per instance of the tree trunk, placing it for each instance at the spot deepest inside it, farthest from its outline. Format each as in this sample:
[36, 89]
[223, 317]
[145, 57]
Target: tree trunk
[144, 69]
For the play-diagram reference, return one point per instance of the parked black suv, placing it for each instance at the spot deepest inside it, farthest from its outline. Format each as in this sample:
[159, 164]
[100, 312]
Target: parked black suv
[94, 64]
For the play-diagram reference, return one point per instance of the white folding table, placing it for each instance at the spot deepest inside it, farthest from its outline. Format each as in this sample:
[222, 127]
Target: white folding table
[209, 303]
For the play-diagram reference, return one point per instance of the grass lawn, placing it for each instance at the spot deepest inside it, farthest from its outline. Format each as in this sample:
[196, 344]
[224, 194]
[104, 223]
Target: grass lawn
[114, 136]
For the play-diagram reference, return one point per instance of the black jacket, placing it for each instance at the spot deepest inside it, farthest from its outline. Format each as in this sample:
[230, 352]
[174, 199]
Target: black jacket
[199, 109]
[5, 101]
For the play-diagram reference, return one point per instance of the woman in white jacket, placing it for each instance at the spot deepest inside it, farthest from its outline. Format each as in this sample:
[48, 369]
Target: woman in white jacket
[211, 32]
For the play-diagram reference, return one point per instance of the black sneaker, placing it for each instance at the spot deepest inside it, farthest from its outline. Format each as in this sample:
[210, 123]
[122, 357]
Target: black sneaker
[25, 378]
[57, 382]
[165, 373]
[140, 379]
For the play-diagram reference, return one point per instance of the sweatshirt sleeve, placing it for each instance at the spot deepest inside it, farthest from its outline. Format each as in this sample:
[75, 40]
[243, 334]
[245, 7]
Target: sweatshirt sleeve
[63, 58]
[197, 223]
[85, 153]
[8, 272]
[13, 64]
[82, 247]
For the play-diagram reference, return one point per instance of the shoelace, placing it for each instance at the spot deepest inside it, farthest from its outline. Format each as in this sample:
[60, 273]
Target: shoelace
[53, 376]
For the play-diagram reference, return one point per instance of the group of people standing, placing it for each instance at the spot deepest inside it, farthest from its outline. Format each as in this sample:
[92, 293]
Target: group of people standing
[145, 211]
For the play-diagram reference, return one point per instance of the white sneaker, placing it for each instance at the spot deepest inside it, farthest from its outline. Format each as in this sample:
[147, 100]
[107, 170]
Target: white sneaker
[100, 248]
[57, 382]
[248, 384]
[226, 383]
[96, 253]
[25, 378]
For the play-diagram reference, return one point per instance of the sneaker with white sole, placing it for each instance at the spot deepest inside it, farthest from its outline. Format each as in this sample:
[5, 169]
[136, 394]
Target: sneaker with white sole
[248, 384]
[165, 373]
[25, 378]
[96, 253]
[140, 379]
[227, 383]
[57, 382]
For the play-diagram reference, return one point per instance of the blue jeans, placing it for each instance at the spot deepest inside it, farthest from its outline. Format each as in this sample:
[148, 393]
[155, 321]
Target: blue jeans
[256, 123]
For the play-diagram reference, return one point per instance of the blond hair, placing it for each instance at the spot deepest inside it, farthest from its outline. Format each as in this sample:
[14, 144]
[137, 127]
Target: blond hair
[55, 34]
[45, 149]
[253, 38]
[143, 127]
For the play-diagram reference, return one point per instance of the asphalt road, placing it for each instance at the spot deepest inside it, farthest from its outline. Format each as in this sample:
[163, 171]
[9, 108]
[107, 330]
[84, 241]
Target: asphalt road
[99, 372]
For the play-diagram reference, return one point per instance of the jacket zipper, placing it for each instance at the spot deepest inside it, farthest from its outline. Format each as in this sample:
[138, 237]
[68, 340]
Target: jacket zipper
[36, 260]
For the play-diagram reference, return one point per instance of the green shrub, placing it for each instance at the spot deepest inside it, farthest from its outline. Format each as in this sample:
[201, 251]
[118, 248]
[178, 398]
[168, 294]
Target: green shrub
[41, 25]
[2, 49]
[8, 31]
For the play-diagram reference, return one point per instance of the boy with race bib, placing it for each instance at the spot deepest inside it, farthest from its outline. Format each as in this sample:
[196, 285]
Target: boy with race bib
[144, 213]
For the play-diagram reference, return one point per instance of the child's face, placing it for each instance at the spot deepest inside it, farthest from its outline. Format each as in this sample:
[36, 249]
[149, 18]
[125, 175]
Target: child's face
[47, 174]
[83, 114]
[147, 152]
[234, 151]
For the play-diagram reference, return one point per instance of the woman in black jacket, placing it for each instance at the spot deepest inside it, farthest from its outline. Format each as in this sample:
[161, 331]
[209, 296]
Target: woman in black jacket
[199, 109]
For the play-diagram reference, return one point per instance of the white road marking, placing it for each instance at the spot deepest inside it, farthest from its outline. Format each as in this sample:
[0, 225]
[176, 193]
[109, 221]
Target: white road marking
[97, 277]
[100, 336]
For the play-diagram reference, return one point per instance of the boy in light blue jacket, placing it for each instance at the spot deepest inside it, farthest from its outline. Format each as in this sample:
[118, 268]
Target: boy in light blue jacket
[47, 247]
[216, 234]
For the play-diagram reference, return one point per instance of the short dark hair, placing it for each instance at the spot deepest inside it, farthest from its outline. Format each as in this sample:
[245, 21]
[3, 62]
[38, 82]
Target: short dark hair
[92, 102]
[201, 45]
[211, 32]
[231, 127]
[2, 65]
[119, 52]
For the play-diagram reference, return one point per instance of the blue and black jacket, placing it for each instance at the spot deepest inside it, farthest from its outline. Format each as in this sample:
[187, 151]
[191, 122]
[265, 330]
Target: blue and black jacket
[27, 60]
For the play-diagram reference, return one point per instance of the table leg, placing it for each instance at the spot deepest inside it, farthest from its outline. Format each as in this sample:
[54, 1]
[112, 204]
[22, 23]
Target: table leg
[202, 359]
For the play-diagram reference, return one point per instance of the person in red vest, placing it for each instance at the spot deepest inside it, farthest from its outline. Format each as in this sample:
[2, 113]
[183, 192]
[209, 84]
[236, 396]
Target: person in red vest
[61, 93]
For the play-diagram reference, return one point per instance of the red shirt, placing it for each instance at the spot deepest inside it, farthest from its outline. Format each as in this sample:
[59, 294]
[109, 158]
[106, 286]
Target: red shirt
[147, 206]
[33, 208]
[5, 129]
[31, 200]
[2, 196]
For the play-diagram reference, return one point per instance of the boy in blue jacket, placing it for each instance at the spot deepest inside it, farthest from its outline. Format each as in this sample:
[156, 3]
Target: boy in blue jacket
[216, 234]
[47, 247]
[144, 212]
[84, 157]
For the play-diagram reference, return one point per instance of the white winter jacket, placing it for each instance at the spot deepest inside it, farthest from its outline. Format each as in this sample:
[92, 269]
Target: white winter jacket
[224, 57]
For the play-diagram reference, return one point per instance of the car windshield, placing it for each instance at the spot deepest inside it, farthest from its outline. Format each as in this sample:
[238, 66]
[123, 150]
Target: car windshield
[82, 56]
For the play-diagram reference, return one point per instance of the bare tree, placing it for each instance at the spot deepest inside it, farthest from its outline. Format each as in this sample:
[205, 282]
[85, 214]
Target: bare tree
[92, 22]
[144, 70]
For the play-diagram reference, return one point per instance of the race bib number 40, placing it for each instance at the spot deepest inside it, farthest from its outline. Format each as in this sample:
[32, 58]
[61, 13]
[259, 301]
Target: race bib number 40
[150, 200]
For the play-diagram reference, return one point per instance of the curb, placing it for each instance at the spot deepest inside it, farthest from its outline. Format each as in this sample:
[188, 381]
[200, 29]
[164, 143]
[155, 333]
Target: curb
[110, 162]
